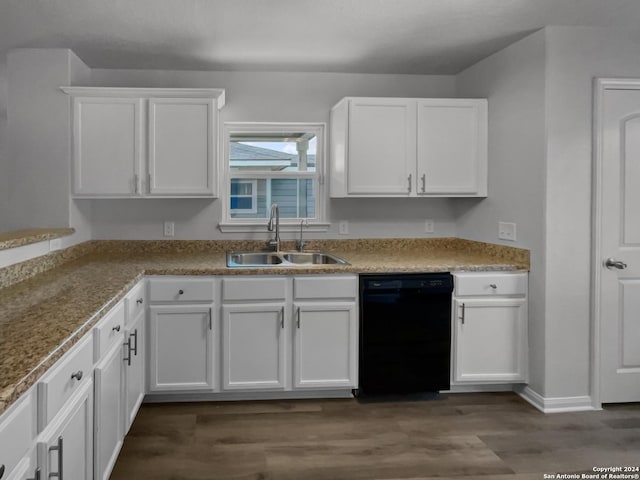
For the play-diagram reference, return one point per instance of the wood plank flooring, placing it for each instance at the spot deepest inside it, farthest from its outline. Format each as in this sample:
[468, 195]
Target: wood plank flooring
[496, 436]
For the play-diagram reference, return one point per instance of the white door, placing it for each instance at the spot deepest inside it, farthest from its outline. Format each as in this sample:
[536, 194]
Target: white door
[181, 146]
[325, 345]
[253, 346]
[452, 147]
[490, 340]
[382, 147]
[67, 443]
[134, 352]
[619, 233]
[108, 412]
[107, 146]
[181, 348]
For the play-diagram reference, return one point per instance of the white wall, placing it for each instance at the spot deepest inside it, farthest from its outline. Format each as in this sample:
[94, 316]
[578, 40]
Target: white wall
[513, 80]
[4, 166]
[281, 97]
[575, 57]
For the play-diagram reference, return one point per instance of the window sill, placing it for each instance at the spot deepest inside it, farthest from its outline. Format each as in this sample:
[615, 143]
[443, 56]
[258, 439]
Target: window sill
[262, 227]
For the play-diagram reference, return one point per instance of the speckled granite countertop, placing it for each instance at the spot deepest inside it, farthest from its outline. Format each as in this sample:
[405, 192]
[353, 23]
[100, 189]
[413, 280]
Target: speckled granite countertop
[43, 315]
[25, 237]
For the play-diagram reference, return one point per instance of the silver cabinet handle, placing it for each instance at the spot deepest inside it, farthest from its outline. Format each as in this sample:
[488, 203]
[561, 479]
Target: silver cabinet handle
[139, 301]
[180, 292]
[77, 375]
[282, 317]
[613, 263]
[135, 342]
[36, 477]
[58, 448]
[493, 285]
[116, 328]
[135, 184]
[409, 179]
[298, 320]
[127, 345]
[149, 185]
[462, 313]
[210, 319]
[424, 182]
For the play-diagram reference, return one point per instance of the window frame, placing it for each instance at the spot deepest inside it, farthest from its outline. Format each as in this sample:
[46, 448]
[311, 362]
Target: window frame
[228, 224]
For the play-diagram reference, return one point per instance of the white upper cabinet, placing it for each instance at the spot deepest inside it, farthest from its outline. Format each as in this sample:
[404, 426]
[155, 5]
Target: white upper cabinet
[452, 147]
[135, 142]
[407, 147]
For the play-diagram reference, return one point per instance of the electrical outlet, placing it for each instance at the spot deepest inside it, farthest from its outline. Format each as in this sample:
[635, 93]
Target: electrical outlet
[507, 231]
[169, 229]
[55, 244]
[429, 225]
[343, 227]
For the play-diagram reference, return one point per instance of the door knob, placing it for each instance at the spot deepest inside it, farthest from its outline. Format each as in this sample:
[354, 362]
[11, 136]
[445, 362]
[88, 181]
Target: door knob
[612, 263]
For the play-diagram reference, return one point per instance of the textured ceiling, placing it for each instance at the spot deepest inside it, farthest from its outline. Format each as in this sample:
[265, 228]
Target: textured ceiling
[366, 36]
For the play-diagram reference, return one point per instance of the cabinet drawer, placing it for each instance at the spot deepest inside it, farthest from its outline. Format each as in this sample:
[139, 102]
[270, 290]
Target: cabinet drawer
[274, 288]
[325, 287]
[109, 331]
[55, 388]
[181, 290]
[490, 284]
[136, 302]
[17, 432]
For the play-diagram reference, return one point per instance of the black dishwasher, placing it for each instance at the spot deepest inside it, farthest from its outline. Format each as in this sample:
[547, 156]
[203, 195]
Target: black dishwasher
[405, 333]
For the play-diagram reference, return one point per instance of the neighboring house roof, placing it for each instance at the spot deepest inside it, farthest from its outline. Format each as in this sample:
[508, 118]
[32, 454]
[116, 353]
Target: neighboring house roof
[243, 156]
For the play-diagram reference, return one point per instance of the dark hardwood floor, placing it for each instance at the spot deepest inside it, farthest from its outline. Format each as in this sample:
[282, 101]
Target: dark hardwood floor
[494, 436]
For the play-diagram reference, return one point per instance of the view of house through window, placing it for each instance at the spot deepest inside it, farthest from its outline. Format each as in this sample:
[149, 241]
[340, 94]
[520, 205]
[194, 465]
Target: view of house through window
[272, 167]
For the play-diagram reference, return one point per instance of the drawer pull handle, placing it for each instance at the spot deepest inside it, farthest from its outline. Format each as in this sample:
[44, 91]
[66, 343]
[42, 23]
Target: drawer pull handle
[462, 315]
[116, 328]
[493, 285]
[139, 301]
[180, 292]
[135, 342]
[127, 345]
[409, 181]
[298, 313]
[77, 375]
[58, 448]
[282, 317]
[37, 475]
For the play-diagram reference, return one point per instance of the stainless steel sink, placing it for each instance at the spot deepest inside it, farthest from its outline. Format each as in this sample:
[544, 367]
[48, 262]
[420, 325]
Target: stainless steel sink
[282, 259]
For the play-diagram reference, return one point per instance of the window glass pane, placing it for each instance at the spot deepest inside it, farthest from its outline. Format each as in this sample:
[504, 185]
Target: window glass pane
[295, 199]
[245, 203]
[272, 152]
[238, 187]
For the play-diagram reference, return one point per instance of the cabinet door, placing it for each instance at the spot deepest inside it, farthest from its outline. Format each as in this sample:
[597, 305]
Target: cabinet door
[107, 146]
[66, 446]
[181, 348]
[253, 346]
[490, 340]
[134, 379]
[325, 345]
[181, 146]
[382, 147]
[108, 412]
[452, 147]
[27, 469]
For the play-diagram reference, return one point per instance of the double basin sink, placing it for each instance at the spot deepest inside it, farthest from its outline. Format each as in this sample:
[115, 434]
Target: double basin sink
[282, 259]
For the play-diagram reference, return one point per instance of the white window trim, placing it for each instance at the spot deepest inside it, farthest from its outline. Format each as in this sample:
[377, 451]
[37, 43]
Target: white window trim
[254, 197]
[319, 224]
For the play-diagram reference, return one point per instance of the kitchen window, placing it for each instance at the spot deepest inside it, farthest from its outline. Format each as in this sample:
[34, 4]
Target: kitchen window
[273, 163]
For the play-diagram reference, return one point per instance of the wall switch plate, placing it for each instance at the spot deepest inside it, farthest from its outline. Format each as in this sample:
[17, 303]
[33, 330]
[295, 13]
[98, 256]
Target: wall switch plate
[343, 227]
[429, 225]
[169, 229]
[507, 231]
[55, 244]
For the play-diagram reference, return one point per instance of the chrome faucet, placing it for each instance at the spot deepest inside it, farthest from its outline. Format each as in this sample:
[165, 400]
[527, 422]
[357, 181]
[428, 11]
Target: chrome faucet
[300, 244]
[274, 214]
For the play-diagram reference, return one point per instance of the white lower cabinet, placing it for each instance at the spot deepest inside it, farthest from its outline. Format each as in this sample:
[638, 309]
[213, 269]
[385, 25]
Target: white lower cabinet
[490, 328]
[181, 348]
[253, 346]
[27, 468]
[17, 439]
[134, 370]
[65, 447]
[324, 340]
[108, 411]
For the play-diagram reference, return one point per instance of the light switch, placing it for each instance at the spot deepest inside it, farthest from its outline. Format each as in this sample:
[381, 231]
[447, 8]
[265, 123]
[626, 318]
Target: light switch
[169, 229]
[429, 226]
[343, 227]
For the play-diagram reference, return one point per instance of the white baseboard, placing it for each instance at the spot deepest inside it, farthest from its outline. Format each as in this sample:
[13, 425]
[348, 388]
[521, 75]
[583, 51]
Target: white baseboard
[556, 404]
[479, 388]
[231, 396]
